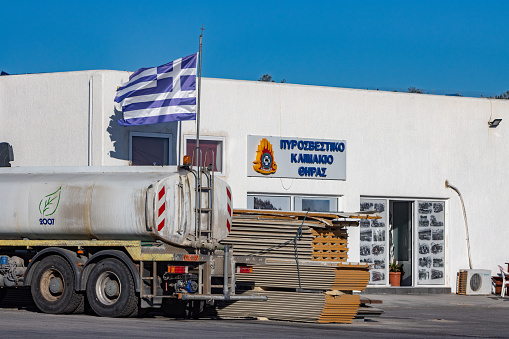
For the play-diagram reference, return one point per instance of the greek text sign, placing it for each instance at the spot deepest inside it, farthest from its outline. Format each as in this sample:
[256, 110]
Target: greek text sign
[281, 157]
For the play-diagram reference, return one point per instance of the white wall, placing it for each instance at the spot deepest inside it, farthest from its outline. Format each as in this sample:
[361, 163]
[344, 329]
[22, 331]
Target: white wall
[399, 145]
[38, 112]
[67, 119]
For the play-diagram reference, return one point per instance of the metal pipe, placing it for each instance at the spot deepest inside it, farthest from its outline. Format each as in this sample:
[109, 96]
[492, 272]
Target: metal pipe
[196, 194]
[225, 271]
[199, 93]
[233, 280]
[179, 142]
[198, 111]
[142, 295]
[154, 278]
[197, 202]
[448, 185]
[200, 278]
[222, 297]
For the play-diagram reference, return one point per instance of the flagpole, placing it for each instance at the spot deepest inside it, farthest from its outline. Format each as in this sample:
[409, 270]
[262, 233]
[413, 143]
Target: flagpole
[198, 152]
[179, 141]
[199, 99]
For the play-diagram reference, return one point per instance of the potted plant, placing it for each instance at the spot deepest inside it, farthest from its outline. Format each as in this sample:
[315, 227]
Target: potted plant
[395, 271]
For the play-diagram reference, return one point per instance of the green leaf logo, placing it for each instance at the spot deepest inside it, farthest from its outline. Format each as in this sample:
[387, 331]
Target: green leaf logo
[49, 203]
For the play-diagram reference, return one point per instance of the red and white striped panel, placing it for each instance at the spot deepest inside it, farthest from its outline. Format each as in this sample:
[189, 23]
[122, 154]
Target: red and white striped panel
[161, 207]
[229, 204]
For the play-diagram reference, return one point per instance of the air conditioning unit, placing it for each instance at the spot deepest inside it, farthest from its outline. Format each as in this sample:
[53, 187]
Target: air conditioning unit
[474, 282]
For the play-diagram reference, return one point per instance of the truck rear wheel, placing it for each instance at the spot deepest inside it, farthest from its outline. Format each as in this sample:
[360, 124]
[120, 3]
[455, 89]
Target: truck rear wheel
[53, 286]
[110, 290]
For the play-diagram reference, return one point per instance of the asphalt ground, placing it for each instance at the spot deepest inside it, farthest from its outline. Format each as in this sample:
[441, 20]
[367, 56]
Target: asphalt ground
[437, 315]
[405, 316]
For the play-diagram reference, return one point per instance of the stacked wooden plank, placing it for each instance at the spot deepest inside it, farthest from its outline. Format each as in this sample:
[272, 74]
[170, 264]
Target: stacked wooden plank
[291, 306]
[334, 276]
[322, 251]
[268, 240]
[270, 234]
[329, 244]
[339, 308]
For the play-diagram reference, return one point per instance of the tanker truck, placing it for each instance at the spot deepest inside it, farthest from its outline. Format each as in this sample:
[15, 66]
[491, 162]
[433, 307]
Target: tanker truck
[121, 239]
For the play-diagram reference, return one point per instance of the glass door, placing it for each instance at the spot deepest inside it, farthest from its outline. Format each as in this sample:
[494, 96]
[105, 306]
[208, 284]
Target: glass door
[400, 239]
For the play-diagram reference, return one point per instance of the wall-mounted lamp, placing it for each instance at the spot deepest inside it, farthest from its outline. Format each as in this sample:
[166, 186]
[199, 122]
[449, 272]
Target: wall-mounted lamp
[494, 123]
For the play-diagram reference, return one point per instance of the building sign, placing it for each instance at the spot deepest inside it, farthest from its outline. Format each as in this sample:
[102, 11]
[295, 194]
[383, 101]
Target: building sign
[280, 157]
[264, 162]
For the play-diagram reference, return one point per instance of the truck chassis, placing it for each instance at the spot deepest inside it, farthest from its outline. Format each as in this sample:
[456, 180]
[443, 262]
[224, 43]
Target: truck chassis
[120, 278]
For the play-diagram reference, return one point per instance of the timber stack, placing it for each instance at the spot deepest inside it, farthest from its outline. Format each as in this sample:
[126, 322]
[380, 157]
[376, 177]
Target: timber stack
[306, 276]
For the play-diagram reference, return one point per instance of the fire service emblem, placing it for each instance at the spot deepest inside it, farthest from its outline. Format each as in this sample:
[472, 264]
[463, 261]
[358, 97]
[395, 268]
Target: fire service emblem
[264, 162]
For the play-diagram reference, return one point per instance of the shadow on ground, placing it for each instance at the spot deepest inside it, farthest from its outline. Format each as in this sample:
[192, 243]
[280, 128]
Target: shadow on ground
[19, 298]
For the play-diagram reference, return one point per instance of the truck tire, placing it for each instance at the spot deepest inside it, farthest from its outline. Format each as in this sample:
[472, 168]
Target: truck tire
[110, 290]
[81, 307]
[52, 286]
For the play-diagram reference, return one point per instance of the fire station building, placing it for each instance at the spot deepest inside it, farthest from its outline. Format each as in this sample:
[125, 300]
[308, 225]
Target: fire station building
[434, 167]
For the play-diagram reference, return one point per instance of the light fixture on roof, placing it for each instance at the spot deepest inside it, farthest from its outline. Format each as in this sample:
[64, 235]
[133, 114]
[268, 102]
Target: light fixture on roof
[494, 123]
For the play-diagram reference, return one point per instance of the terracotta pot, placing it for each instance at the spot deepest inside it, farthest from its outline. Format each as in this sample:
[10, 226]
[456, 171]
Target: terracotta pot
[395, 278]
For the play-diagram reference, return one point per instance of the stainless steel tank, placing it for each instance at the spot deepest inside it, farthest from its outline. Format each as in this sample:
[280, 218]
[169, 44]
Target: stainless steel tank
[126, 203]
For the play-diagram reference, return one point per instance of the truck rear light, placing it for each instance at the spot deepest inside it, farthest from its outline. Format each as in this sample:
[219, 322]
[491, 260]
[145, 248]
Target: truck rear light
[178, 269]
[244, 269]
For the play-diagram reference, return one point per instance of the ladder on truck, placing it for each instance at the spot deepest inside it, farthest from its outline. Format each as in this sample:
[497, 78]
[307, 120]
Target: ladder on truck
[204, 191]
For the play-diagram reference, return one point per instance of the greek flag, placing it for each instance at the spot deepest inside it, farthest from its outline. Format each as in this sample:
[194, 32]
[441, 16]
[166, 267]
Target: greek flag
[160, 94]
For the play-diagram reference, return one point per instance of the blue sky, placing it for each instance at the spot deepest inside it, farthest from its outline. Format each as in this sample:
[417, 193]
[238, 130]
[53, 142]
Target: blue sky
[434, 45]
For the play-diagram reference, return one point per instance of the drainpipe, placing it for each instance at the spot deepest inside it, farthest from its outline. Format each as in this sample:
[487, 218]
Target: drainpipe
[464, 217]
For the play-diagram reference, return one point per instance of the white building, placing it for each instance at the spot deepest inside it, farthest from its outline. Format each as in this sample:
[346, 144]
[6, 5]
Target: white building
[400, 149]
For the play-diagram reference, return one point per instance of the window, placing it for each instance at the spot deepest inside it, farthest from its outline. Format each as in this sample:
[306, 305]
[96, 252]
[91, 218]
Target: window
[269, 202]
[316, 204]
[212, 151]
[292, 203]
[150, 149]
